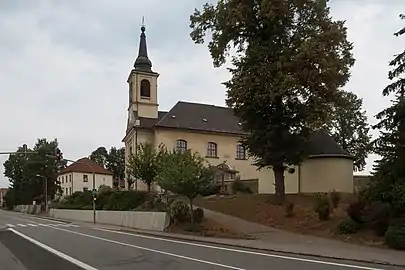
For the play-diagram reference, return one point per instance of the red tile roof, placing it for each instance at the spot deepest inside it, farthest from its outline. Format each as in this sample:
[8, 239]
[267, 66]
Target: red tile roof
[80, 166]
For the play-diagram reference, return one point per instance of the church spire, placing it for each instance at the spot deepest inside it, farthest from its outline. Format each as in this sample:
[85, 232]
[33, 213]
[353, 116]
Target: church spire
[142, 62]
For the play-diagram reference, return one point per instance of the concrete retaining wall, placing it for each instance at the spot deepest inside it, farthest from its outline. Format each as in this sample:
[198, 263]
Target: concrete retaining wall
[154, 221]
[29, 209]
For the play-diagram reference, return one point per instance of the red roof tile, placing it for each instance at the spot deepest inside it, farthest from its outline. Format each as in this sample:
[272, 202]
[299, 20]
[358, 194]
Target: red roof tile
[80, 166]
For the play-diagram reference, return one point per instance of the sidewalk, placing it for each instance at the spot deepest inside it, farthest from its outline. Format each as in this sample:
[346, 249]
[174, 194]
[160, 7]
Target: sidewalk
[270, 239]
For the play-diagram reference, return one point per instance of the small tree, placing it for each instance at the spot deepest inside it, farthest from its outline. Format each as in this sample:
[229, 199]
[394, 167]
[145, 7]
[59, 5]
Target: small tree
[145, 164]
[186, 174]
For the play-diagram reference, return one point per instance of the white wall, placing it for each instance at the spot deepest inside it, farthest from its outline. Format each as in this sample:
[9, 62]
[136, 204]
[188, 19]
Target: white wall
[72, 182]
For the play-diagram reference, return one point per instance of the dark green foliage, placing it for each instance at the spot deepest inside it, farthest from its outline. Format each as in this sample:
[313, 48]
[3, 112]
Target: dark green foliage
[103, 197]
[348, 226]
[239, 186]
[335, 198]
[289, 209]
[291, 60]
[27, 173]
[113, 160]
[77, 200]
[388, 183]
[198, 215]
[126, 200]
[350, 129]
[356, 211]
[395, 235]
[379, 216]
[322, 206]
[211, 190]
[179, 212]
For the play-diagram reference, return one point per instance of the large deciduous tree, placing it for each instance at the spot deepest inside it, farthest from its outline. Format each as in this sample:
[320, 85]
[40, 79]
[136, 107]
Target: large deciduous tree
[29, 173]
[350, 129]
[113, 160]
[388, 183]
[291, 59]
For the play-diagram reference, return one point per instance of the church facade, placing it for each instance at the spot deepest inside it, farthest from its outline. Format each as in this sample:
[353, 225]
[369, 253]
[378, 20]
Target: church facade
[214, 133]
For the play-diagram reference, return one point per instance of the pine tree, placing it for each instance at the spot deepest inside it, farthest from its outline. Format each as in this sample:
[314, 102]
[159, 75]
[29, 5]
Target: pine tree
[388, 183]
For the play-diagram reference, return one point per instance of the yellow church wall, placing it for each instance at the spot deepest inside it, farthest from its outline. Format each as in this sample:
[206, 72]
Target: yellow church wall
[226, 151]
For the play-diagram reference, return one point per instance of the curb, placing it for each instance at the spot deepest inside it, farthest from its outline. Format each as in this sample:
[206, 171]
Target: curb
[207, 241]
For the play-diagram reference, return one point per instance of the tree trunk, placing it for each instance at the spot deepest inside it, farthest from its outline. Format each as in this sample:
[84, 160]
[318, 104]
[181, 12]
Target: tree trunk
[279, 183]
[191, 211]
[149, 184]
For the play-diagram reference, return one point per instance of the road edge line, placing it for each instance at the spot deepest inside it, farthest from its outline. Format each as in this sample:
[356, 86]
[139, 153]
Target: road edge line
[288, 254]
[54, 251]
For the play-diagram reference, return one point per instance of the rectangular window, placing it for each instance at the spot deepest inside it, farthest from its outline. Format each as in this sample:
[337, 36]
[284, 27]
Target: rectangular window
[63, 179]
[70, 178]
[212, 150]
[67, 191]
[85, 178]
[85, 189]
[70, 190]
[240, 152]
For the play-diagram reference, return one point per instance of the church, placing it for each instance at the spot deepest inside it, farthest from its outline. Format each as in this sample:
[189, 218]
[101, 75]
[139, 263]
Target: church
[214, 133]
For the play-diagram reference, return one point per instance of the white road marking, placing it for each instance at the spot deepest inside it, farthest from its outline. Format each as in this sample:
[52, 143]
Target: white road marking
[243, 251]
[10, 225]
[22, 225]
[54, 251]
[32, 225]
[151, 250]
[29, 217]
[74, 225]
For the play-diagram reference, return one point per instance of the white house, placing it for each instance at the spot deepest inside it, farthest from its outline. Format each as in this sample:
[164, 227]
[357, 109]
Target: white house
[79, 176]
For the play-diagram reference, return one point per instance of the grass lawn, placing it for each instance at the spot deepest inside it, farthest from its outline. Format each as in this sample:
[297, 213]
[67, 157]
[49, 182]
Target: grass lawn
[259, 209]
[207, 228]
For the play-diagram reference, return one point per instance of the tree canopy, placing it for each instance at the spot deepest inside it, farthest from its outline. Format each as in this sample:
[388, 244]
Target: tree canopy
[145, 165]
[388, 183]
[185, 173]
[291, 60]
[113, 160]
[29, 173]
[350, 129]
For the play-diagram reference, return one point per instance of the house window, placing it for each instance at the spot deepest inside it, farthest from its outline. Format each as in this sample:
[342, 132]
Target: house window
[240, 152]
[212, 149]
[181, 146]
[85, 178]
[70, 190]
[67, 191]
[70, 178]
[145, 89]
[85, 189]
[130, 150]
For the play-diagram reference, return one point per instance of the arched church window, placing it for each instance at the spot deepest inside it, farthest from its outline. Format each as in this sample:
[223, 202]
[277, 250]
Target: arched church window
[145, 88]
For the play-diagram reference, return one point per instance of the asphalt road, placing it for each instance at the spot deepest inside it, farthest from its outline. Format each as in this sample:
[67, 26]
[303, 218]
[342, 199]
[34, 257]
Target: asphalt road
[32, 243]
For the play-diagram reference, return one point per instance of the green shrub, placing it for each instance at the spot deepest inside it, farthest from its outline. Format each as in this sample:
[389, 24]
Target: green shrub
[77, 200]
[335, 198]
[348, 226]
[356, 211]
[239, 186]
[179, 211]
[126, 200]
[395, 235]
[322, 207]
[379, 216]
[198, 215]
[289, 209]
[211, 190]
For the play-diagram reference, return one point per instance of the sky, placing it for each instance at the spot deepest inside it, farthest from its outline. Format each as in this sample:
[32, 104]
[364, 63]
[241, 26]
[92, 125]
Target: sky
[64, 65]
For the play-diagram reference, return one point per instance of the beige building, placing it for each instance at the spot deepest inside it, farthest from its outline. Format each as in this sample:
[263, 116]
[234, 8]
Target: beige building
[214, 132]
[79, 177]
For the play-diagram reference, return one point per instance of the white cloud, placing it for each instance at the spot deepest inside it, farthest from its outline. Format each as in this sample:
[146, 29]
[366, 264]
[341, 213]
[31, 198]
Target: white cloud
[64, 64]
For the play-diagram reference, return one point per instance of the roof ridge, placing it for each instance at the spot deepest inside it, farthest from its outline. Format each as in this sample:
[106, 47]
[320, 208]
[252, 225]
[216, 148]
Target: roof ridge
[203, 104]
